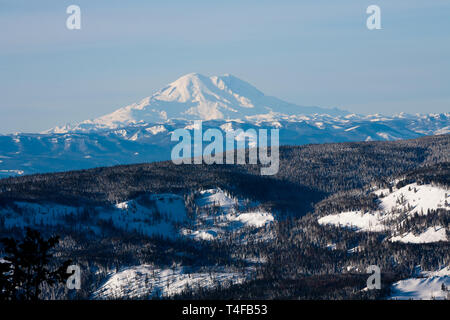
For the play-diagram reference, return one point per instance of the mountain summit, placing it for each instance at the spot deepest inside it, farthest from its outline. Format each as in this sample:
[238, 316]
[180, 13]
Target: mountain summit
[141, 132]
[198, 97]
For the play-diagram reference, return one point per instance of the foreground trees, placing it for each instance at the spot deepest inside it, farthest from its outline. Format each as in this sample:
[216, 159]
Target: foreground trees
[25, 266]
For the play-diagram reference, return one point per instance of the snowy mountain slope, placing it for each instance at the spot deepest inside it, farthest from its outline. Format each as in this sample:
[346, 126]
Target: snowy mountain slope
[394, 209]
[426, 287]
[165, 216]
[220, 214]
[197, 97]
[146, 281]
[148, 215]
[216, 197]
[430, 235]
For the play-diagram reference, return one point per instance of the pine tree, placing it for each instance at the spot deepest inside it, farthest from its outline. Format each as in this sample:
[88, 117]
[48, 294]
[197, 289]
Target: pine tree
[27, 265]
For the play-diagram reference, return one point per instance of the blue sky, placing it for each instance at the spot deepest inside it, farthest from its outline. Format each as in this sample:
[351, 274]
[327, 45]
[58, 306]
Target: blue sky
[306, 52]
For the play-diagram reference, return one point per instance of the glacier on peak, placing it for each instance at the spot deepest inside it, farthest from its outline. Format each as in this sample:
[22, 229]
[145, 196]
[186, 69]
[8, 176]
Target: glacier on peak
[198, 97]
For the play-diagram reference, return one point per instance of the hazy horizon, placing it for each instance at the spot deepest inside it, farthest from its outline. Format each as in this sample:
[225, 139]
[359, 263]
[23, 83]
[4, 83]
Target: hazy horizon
[304, 53]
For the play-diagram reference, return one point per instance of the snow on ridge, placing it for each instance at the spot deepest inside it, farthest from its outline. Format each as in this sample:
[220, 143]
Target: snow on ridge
[11, 172]
[220, 214]
[44, 214]
[427, 286]
[445, 271]
[386, 136]
[136, 215]
[355, 220]
[444, 130]
[254, 219]
[216, 196]
[352, 128]
[410, 199]
[156, 129]
[432, 234]
[420, 289]
[150, 215]
[145, 281]
[139, 214]
[420, 197]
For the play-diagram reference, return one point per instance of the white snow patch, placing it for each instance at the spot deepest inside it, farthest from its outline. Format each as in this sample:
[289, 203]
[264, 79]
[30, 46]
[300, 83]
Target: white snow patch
[156, 129]
[386, 136]
[352, 128]
[12, 172]
[426, 288]
[253, 219]
[432, 234]
[220, 214]
[420, 197]
[411, 199]
[149, 281]
[355, 220]
[139, 214]
[216, 197]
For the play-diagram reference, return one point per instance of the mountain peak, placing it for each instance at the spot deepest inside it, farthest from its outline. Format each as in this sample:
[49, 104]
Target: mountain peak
[198, 97]
[193, 85]
[193, 77]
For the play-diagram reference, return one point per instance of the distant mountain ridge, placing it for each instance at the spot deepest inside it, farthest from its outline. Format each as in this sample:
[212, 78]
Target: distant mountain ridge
[141, 132]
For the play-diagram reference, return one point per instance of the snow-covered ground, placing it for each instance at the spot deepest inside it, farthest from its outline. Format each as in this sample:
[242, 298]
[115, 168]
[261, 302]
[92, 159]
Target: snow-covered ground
[150, 281]
[420, 197]
[427, 287]
[216, 197]
[432, 234]
[140, 214]
[252, 219]
[355, 220]
[410, 199]
[220, 213]
[155, 214]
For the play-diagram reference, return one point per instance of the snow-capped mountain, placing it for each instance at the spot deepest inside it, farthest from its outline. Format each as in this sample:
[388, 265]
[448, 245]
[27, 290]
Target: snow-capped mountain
[197, 97]
[141, 132]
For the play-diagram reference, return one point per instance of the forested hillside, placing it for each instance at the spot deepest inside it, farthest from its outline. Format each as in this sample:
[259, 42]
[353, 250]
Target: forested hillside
[312, 171]
[223, 231]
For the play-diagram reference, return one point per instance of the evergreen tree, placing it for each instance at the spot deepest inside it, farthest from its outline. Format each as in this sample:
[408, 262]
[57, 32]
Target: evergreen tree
[26, 266]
